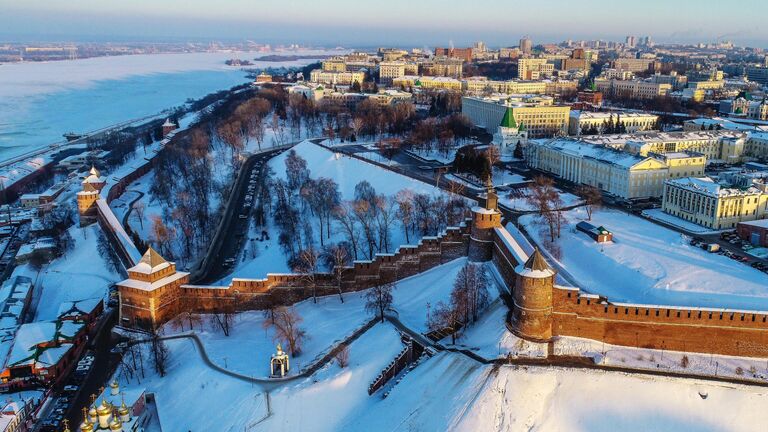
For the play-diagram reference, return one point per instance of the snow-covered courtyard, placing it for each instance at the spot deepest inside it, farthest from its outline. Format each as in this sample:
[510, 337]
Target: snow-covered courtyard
[650, 264]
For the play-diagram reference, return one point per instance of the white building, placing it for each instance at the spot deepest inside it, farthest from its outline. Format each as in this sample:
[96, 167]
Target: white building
[618, 173]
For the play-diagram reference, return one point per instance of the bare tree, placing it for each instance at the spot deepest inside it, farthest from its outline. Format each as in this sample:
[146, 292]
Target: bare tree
[379, 298]
[342, 356]
[470, 292]
[444, 317]
[159, 353]
[344, 214]
[287, 327]
[139, 207]
[545, 198]
[307, 265]
[405, 210]
[592, 196]
[337, 258]
[223, 316]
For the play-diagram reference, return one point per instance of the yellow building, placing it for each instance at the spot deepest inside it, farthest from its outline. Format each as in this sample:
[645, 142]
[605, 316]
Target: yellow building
[443, 66]
[536, 114]
[683, 164]
[427, 82]
[634, 89]
[534, 68]
[704, 202]
[335, 64]
[714, 145]
[336, 78]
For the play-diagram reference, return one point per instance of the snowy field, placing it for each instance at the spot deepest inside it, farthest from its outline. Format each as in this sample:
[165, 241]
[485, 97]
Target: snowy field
[267, 257]
[650, 264]
[40, 101]
[446, 392]
[451, 392]
[659, 215]
[327, 322]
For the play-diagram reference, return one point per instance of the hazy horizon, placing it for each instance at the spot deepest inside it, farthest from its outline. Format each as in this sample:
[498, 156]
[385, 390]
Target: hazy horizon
[400, 23]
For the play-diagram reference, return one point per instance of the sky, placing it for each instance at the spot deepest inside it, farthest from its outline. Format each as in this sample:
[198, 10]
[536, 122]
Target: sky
[390, 22]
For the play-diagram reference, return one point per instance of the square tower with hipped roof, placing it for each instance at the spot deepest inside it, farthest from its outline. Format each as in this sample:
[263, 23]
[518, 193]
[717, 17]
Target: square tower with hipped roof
[87, 197]
[151, 293]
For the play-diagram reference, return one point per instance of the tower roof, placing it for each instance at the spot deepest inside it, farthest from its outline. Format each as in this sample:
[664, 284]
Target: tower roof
[536, 262]
[508, 120]
[94, 171]
[535, 267]
[153, 258]
[150, 262]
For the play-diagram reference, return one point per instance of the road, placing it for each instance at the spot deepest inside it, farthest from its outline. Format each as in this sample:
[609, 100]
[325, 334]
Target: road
[103, 367]
[232, 230]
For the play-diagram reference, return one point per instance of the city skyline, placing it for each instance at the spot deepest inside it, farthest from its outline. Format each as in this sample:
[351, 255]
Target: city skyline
[342, 22]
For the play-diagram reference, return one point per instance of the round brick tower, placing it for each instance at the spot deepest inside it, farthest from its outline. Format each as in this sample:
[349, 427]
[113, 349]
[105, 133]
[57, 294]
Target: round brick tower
[485, 218]
[532, 296]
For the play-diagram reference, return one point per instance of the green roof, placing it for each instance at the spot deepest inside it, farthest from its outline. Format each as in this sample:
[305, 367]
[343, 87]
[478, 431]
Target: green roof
[509, 119]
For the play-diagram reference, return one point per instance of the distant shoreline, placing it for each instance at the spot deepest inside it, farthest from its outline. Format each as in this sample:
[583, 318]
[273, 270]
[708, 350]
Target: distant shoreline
[281, 58]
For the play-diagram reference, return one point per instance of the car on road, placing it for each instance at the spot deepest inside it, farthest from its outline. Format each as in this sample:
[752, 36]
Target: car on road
[70, 388]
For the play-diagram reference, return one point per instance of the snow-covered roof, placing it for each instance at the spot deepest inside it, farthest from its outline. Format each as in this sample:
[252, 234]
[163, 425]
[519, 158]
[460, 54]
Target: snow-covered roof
[607, 115]
[150, 286]
[78, 307]
[709, 187]
[150, 262]
[762, 223]
[592, 151]
[535, 267]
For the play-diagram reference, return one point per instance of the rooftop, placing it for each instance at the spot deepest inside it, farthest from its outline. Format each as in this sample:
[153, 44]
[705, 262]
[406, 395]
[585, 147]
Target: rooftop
[709, 187]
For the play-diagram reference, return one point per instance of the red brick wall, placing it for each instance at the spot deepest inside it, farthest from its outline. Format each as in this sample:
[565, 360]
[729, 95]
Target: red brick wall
[677, 329]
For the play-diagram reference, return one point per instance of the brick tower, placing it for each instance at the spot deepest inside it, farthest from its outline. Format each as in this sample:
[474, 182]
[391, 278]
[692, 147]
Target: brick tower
[150, 295]
[86, 198]
[168, 127]
[485, 217]
[532, 296]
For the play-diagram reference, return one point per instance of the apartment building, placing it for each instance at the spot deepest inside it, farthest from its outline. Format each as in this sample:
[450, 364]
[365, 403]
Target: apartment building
[537, 114]
[704, 202]
[534, 68]
[633, 89]
[634, 64]
[618, 173]
[389, 70]
[597, 122]
[464, 54]
[443, 66]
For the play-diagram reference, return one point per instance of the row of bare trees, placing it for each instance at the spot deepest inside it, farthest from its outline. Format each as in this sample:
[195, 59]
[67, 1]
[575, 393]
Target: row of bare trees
[469, 297]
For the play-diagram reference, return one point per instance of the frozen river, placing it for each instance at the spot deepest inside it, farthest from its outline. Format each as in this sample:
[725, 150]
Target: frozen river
[41, 101]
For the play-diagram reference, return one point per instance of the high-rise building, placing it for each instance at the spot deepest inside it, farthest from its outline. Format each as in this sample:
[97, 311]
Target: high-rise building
[631, 42]
[526, 45]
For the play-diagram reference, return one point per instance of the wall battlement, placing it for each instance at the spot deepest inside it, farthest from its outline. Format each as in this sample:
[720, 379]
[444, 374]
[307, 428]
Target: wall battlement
[147, 308]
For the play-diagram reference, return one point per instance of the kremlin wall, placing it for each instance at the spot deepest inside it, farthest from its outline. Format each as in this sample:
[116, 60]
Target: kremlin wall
[155, 292]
